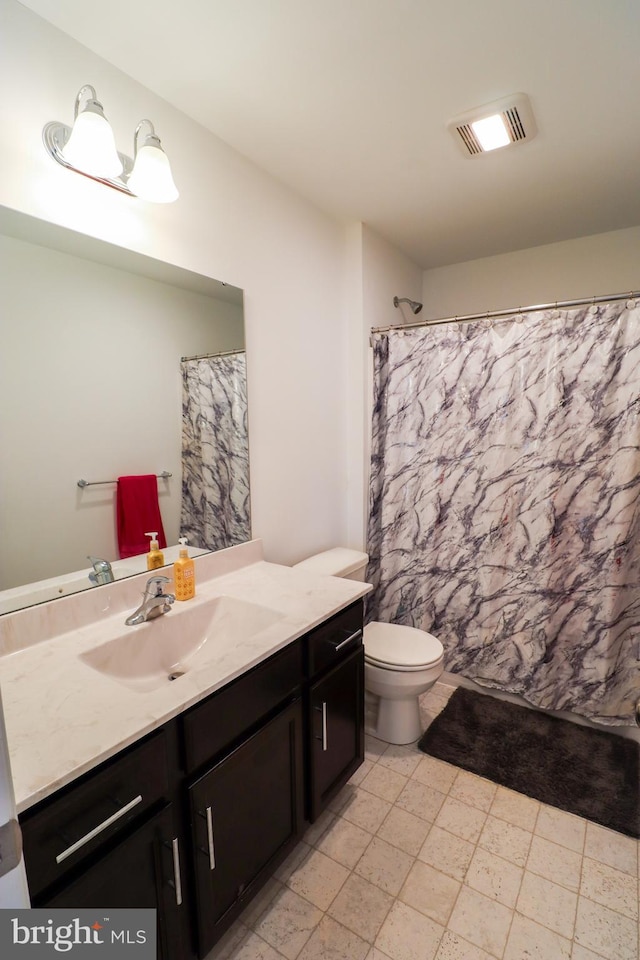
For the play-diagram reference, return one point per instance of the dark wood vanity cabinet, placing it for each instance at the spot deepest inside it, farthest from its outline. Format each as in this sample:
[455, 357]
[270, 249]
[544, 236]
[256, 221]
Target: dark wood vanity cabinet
[194, 818]
[246, 816]
[113, 839]
[334, 696]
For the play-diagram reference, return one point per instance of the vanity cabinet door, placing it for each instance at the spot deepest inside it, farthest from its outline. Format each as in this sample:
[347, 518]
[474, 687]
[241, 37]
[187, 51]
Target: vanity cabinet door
[246, 816]
[146, 869]
[335, 724]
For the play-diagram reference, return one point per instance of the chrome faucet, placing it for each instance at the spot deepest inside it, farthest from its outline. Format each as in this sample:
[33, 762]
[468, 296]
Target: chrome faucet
[102, 572]
[155, 602]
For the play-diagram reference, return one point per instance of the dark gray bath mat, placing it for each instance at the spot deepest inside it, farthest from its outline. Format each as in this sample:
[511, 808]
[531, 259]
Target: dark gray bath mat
[591, 773]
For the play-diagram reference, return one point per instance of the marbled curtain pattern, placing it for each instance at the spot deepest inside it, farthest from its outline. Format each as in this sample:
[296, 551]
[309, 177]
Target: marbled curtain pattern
[505, 501]
[215, 452]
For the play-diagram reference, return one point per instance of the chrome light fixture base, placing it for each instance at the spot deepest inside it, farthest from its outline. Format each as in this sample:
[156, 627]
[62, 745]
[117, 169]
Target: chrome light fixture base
[55, 135]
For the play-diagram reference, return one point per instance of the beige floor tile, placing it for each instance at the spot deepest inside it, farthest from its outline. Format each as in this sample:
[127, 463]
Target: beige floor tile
[362, 907]
[555, 863]
[435, 773]
[605, 932]
[531, 941]
[508, 841]
[430, 891]
[404, 830]
[610, 887]
[561, 827]
[612, 848]
[288, 923]
[401, 759]
[448, 853]
[365, 767]
[481, 920]
[345, 842]
[421, 800]
[254, 948]
[375, 954]
[332, 941]
[548, 904]
[229, 942]
[295, 858]
[384, 865]
[461, 819]
[473, 790]
[495, 877]
[318, 879]
[515, 808]
[374, 748]
[365, 810]
[581, 953]
[453, 947]
[314, 833]
[384, 782]
[254, 910]
[407, 934]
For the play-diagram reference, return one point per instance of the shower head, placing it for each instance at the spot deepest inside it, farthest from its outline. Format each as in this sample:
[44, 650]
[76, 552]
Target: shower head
[415, 306]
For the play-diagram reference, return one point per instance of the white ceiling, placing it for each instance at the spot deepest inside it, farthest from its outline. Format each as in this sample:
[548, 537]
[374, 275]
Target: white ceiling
[346, 101]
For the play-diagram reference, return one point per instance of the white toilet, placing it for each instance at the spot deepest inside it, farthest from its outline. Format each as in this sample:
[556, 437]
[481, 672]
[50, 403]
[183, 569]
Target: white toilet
[400, 663]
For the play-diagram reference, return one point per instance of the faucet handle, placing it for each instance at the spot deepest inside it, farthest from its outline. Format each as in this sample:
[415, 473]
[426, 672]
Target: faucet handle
[154, 586]
[98, 564]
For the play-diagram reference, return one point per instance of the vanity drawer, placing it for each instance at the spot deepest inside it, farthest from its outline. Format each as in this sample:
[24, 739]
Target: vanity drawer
[340, 635]
[216, 723]
[64, 830]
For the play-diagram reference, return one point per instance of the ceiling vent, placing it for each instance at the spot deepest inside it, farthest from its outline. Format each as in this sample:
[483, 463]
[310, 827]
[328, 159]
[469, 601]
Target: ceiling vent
[502, 123]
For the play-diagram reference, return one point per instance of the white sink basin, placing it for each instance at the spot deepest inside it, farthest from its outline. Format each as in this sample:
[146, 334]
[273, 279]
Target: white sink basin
[152, 654]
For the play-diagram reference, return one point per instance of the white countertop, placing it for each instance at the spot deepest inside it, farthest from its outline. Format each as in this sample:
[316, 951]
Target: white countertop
[63, 717]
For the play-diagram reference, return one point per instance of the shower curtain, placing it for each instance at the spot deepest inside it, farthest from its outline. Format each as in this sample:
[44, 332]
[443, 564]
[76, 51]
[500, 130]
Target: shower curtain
[215, 452]
[505, 501]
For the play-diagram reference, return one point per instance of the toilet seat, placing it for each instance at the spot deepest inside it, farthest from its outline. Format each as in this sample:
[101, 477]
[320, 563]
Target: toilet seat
[391, 646]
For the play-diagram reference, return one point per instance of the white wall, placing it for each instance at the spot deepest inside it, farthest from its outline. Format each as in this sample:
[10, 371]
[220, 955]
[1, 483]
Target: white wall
[592, 266]
[377, 272]
[233, 222]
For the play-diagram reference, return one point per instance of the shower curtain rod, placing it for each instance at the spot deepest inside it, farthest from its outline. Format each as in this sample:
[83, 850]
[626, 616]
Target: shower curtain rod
[207, 356]
[514, 311]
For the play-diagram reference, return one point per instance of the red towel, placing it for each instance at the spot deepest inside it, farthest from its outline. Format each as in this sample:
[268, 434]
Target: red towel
[138, 512]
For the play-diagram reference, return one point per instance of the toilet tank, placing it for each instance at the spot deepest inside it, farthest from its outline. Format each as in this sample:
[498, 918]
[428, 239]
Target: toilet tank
[338, 562]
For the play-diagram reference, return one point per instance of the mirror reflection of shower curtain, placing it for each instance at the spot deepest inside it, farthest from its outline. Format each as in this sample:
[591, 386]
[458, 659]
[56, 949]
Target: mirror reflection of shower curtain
[215, 452]
[505, 501]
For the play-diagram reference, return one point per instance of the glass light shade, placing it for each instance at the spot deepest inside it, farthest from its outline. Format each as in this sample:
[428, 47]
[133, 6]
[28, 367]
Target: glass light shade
[151, 177]
[491, 132]
[91, 146]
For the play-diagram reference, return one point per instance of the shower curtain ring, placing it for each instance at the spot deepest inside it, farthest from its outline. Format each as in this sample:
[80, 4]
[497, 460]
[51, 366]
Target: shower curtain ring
[631, 302]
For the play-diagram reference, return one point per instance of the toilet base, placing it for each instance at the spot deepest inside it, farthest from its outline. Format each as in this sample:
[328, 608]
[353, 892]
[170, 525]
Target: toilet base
[399, 720]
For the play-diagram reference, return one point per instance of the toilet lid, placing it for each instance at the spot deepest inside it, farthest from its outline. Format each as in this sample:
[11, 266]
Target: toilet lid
[406, 648]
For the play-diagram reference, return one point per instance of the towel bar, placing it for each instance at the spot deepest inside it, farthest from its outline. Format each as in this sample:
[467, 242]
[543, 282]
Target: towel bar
[92, 483]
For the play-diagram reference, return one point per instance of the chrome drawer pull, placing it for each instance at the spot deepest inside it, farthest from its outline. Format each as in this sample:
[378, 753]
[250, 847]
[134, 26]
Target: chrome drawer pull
[97, 830]
[324, 725]
[175, 844]
[212, 849]
[357, 634]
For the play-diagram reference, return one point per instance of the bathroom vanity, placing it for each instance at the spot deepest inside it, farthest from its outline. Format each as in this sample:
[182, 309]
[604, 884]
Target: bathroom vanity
[192, 816]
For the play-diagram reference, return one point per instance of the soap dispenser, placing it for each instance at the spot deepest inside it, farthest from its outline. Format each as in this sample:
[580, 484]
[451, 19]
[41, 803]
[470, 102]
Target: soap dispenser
[155, 557]
[184, 573]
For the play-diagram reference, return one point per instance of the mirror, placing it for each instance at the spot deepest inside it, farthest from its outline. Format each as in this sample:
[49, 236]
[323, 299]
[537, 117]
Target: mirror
[91, 388]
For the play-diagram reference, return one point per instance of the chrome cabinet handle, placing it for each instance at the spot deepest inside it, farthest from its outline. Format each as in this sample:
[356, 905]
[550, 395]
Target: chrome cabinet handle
[97, 830]
[339, 646]
[324, 725]
[212, 849]
[177, 879]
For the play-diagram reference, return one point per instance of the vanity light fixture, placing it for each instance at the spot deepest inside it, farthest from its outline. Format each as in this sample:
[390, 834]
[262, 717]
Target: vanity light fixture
[502, 123]
[89, 148]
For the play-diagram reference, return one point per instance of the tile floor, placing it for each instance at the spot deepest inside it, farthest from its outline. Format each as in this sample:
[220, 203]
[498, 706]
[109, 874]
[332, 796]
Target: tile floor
[419, 860]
